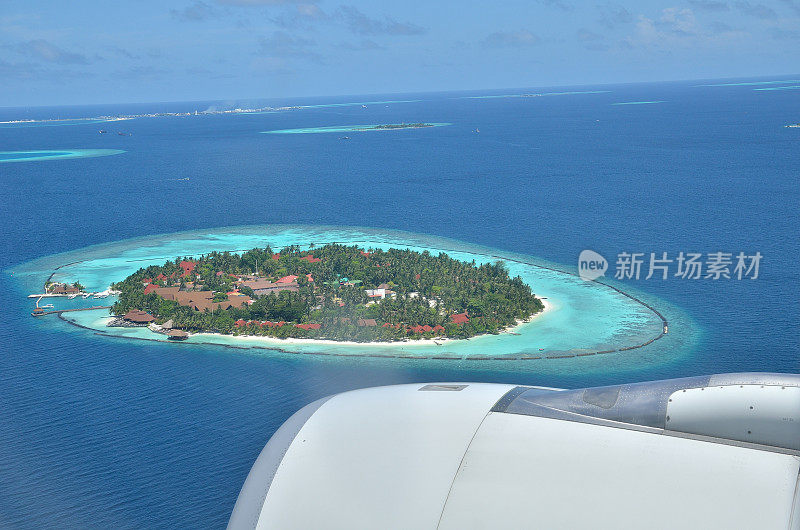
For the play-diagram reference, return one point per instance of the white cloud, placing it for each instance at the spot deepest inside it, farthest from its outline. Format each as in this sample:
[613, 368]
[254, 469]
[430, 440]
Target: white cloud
[515, 39]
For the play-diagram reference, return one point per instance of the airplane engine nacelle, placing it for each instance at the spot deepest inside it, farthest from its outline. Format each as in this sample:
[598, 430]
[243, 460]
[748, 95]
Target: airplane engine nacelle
[719, 451]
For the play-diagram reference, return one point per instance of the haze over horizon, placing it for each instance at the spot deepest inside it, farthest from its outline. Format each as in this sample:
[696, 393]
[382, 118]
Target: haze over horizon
[201, 50]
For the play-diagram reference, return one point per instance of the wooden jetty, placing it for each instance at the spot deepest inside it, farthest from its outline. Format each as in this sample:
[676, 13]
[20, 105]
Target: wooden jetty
[59, 311]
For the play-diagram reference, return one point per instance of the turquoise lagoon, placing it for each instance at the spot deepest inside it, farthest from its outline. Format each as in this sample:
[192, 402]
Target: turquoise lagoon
[793, 87]
[346, 128]
[329, 105]
[638, 102]
[583, 317]
[756, 83]
[35, 156]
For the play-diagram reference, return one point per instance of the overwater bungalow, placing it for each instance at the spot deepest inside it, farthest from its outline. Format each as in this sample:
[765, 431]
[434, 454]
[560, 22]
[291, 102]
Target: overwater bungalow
[135, 316]
[177, 334]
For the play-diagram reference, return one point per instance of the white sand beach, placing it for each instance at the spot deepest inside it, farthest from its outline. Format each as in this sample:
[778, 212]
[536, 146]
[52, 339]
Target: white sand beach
[548, 306]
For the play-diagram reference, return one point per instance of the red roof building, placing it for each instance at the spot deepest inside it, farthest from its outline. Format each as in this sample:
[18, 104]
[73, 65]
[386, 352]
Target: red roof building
[308, 326]
[459, 318]
[240, 323]
[311, 259]
[276, 257]
[287, 279]
[150, 288]
[188, 267]
[438, 329]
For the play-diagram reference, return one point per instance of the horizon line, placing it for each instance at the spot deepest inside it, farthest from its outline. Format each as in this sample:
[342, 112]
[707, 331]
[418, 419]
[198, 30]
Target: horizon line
[372, 94]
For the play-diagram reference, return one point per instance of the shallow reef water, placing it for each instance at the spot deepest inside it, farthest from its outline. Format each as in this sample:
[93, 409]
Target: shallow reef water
[582, 318]
[34, 156]
[349, 128]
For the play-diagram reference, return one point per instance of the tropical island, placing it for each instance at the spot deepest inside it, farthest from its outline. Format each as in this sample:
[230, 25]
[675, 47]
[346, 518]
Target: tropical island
[333, 292]
[402, 126]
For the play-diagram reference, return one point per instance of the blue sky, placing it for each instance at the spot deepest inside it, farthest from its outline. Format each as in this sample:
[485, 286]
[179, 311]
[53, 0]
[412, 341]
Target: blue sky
[56, 52]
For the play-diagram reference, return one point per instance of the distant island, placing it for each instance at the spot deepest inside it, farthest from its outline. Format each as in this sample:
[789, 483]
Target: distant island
[401, 126]
[356, 128]
[58, 120]
[333, 292]
[210, 111]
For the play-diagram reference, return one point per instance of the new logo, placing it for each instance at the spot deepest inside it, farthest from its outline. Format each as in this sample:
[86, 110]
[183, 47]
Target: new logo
[591, 265]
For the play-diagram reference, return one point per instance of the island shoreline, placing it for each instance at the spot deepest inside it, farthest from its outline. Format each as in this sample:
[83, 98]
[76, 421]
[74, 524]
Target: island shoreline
[392, 344]
[551, 354]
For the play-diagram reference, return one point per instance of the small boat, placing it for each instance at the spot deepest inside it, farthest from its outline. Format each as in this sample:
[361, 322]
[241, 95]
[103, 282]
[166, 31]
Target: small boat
[86, 295]
[47, 306]
[73, 295]
[363, 106]
[37, 312]
[344, 138]
[102, 131]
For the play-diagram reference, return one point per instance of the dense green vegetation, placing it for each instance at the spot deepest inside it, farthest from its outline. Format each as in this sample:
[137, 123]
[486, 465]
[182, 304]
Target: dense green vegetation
[427, 289]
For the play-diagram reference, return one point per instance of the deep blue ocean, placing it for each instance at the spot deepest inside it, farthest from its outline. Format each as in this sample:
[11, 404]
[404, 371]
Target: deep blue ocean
[99, 433]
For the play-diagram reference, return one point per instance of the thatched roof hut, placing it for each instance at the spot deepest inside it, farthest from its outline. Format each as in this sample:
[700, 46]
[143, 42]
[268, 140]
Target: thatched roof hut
[177, 334]
[138, 317]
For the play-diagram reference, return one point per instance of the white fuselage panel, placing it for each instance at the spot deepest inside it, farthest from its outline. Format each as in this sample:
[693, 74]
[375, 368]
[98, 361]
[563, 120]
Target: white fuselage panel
[377, 458]
[531, 472]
